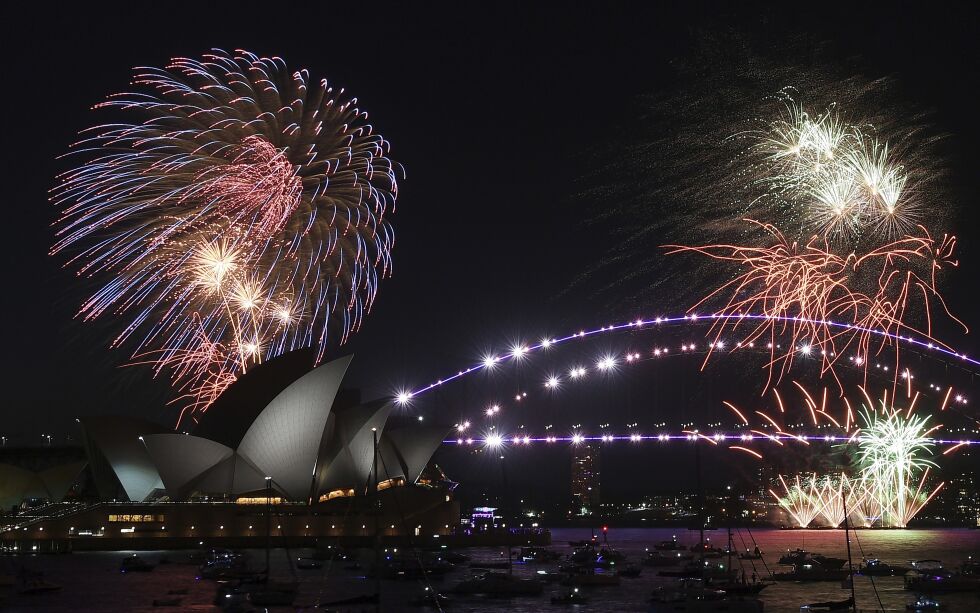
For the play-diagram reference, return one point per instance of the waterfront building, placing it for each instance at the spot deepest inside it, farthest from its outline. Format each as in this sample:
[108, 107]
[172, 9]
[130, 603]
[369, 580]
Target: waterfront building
[585, 479]
[283, 436]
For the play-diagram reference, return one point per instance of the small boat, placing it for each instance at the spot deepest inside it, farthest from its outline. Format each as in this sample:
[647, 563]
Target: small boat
[538, 555]
[810, 572]
[941, 580]
[414, 568]
[698, 570]
[829, 605]
[548, 576]
[429, 598]
[741, 588]
[922, 603]
[37, 585]
[692, 596]
[873, 567]
[800, 556]
[573, 596]
[584, 555]
[455, 557]
[755, 554]
[612, 555]
[308, 564]
[135, 564]
[708, 551]
[671, 545]
[582, 543]
[657, 558]
[227, 569]
[591, 579]
[499, 584]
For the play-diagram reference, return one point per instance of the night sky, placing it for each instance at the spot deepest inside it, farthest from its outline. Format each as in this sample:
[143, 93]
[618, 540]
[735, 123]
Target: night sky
[500, 114]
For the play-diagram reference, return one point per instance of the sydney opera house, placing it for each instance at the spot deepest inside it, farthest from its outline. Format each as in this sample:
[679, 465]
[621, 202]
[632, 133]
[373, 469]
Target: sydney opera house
[284, 449]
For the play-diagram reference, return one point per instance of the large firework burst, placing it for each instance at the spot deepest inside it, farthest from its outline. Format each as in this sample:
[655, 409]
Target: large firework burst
[800, 288]
[237, 211]
[892, 446]
[837, 180]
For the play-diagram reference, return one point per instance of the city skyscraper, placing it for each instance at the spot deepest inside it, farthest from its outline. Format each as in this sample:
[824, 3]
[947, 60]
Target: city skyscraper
[585, 478]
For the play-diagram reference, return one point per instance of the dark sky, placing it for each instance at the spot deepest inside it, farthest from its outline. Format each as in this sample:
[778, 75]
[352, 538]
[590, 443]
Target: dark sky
[492, 108]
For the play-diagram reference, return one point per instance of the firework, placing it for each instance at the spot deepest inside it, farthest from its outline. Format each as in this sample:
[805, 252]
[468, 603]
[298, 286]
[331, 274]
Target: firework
[798, 500]
[890, 450]
[800, 289]
[891, 446]
[237, 212]
[841, 181]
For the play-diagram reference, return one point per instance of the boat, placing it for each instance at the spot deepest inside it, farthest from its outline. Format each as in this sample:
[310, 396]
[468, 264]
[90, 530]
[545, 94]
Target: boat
[308, 564]
[829, 605]
[415, 568]
[498, 584]
[330, 553]
[591, 579]
[811, 572]
[671, 545]
[584, 555]
[657, 558]
[538, 555]
[229, 568]
[696, 570]
[429, 598]
[455, 557]
[573, 596]
[135, 564]
[741, 588]
[800, 556]
[611, 555]
[229, 595]
[922, 603]
[755, 554]
[941, 580]
[873, 567]
[708, 551]
[37, 585]
[584, 542]
[692, 596]
[548, 576]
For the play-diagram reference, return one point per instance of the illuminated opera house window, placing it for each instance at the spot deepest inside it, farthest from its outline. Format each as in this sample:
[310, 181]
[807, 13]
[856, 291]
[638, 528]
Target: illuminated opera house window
[396, 482]
[336, 494]
[258, 500]
[135, 518]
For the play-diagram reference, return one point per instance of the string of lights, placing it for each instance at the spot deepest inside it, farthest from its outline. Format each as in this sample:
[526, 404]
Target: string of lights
[500, 440]
[520, 351]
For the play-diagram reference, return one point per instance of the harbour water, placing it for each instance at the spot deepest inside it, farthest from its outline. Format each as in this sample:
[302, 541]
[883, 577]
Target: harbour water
[93, 582]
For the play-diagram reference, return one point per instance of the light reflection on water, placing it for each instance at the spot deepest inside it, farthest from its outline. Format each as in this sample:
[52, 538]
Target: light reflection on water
[92, 582]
